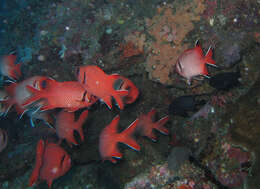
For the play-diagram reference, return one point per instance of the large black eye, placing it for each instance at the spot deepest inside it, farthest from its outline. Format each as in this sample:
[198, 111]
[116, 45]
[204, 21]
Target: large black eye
[118, 84]
[43, 84]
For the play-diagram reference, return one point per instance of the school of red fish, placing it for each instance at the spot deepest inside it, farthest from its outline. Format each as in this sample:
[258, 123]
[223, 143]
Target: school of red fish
[38, 95]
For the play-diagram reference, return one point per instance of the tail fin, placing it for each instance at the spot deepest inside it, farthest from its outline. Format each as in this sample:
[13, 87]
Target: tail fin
[160, 125]
[36, 171]
[107, 101]
[80, 122]
[151, 114]
[119, 98]
[208, 57]
[147, 124]
[127, 136]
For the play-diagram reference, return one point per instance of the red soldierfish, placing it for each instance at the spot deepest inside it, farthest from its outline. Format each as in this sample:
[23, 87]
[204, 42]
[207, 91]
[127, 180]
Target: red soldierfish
[99, 84]
[52, 162]
[66, 125]
[147, 124]
[192, 62]
[18, 93]
[68, 94]
[109, 138]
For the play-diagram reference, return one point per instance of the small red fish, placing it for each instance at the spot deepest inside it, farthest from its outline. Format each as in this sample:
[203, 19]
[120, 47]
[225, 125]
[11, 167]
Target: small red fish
[192, 62]
[8, 67]
[3, 139]
[52, 162]
[99, 84]
[126, 84]
[66, 125]
[109, 138]
[69, 94]
[146, 125]
[18, 92]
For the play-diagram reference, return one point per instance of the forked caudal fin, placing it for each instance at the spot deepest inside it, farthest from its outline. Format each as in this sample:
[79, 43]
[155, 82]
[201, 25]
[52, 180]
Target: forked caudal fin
[208, 57]
[83, 116]
[126, 136]
[107, 101]
[160, 125]
[118, 96]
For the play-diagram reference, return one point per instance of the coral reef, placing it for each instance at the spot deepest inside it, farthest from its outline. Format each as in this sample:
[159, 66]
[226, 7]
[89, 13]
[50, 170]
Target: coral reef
[159, 176]
[141, 40]
[169, 28]
[134, 45]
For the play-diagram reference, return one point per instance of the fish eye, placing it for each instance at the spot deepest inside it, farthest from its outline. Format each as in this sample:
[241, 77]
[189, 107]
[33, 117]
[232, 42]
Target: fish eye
[118, 84]
[43, 84]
